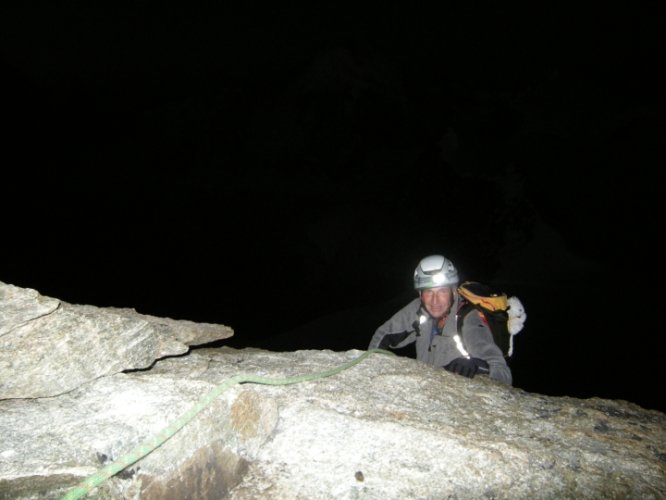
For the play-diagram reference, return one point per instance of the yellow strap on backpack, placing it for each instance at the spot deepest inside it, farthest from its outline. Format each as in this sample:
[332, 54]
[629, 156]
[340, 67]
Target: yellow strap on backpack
[490, 302]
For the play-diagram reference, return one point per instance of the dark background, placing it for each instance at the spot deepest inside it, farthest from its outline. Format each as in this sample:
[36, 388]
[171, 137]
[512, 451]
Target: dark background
[283, 169]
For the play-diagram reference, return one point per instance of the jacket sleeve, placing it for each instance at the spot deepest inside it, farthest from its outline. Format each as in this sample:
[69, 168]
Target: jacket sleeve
[398, 331]
[478, 339]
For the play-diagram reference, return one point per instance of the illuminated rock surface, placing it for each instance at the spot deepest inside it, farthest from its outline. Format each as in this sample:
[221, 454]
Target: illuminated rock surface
[387, 427]
[48, 347]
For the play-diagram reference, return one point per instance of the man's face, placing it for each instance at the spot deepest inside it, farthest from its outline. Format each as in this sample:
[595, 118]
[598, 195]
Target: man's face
[437, 301]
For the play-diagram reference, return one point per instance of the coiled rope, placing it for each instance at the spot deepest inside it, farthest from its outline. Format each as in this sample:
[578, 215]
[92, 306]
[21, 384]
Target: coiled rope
[91, 482]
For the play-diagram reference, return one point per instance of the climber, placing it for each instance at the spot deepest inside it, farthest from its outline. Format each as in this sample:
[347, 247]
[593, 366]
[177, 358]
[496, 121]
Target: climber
[430, 322]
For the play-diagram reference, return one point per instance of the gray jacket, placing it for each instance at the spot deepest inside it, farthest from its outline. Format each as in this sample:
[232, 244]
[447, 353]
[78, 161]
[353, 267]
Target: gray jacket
[413, 324]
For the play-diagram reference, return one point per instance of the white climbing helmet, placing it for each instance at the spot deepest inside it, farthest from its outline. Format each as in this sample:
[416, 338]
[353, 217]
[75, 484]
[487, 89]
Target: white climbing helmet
[435, 271]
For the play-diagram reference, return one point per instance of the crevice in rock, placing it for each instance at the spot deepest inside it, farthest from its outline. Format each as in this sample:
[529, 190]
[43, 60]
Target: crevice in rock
[150, 367]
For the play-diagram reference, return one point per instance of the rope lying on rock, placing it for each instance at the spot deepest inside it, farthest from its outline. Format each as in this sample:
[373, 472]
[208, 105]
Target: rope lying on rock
[87, 485]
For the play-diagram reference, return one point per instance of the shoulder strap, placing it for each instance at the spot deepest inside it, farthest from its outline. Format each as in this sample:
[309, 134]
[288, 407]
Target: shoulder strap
[463, 310]
[493, 309]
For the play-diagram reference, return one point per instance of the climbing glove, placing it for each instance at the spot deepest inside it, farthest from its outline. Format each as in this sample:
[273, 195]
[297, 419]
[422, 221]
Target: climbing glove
[467, 367]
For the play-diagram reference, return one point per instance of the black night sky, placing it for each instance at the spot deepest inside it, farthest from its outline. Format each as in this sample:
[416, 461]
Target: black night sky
[282, 170]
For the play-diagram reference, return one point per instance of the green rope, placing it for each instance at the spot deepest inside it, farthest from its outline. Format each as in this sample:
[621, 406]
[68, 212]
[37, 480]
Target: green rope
[84, 487]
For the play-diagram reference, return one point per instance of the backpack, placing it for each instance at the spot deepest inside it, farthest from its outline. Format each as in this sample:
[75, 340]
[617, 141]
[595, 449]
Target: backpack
[504, 315]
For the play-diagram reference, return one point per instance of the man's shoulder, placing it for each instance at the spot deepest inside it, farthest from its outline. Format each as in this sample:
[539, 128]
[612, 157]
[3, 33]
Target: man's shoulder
[471, 317]
[414, 305]
[410, 308]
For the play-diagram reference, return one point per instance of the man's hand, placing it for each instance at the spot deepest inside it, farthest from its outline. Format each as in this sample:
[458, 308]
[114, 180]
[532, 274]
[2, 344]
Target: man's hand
[467, 367]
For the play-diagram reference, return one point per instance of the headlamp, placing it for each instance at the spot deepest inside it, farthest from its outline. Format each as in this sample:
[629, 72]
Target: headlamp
[438, 278]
